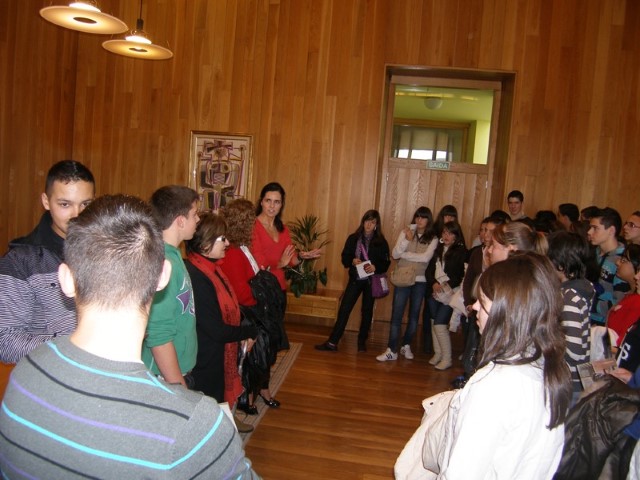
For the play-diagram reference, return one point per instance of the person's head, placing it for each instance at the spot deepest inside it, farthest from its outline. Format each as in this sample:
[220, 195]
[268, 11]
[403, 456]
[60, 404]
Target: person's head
[176, 206]
[69, 188]
[370, 224]
[240, 217]
[587, 213]
[483, 230]
[210, 239]
[515, 199]
[114, 255]
[448, 213]
[500, 215]
[452, 234]
[567, 214]
[423, 219]
[628, 264]
[605, 227]
[515, 237]
[271, 203]
[631, 228]
[569, 253]
[518, 311]
[490, 225]
[546, 222]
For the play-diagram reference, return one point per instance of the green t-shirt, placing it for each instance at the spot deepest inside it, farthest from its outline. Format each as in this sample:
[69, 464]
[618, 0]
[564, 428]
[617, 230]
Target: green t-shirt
[172, 317]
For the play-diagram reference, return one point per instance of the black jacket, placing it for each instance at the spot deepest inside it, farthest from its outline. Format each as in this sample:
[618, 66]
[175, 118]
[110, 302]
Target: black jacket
[378, 253]
[454, 260]
[594, 441]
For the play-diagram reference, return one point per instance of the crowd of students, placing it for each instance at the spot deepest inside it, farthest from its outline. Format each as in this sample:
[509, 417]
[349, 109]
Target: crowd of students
[107, 314]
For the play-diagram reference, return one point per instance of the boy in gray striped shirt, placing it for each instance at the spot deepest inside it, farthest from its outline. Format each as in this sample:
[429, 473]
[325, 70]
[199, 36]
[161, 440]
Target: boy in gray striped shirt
[85, 405]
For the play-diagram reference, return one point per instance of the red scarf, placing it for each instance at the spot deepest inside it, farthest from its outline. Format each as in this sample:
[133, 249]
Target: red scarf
[231, 316]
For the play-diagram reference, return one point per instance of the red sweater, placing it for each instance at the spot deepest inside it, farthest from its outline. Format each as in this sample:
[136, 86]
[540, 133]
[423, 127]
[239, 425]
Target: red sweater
[238, 270]
[624, 314]
[267, 252]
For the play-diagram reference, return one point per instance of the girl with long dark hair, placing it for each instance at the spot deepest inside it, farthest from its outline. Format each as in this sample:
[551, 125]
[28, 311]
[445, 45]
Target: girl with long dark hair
[413, 250]
[367, 242]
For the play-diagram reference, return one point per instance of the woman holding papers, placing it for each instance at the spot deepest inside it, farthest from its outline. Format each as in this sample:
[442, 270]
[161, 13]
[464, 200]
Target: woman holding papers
[365, 252]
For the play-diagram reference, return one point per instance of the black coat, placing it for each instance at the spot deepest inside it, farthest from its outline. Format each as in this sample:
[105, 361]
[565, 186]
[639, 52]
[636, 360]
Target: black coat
[453, 266]
[593, 433]
[378, 253]
[213, 334]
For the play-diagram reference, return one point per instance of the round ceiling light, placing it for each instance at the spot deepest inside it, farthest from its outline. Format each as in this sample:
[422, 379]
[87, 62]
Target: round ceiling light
[433, 103]
[137, 50]
[88, 20]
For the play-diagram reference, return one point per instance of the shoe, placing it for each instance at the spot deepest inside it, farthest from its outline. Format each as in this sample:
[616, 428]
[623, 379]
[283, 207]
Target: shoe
[327, 347]
[272, 402]
[248, 409]
[459, 382]
[243, 427]
[387, 355]
[362, 346]
[406, 351]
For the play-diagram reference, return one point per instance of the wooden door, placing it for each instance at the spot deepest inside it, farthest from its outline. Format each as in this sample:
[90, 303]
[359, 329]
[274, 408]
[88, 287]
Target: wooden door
[408, 184]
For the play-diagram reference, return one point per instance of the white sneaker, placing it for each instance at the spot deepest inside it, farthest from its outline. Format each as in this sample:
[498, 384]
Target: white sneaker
[387, 355]
[406, 351]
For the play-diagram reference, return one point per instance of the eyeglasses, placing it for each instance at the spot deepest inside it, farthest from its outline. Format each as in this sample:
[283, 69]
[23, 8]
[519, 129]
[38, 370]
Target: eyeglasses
[221, 238]
[631, 225]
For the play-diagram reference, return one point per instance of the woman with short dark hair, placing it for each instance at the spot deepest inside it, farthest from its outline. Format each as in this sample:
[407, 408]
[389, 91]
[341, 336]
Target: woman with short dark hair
[217, 313]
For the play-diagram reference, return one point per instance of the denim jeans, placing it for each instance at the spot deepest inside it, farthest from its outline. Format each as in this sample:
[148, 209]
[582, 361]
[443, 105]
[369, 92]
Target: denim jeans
[349, 299]
[414, 295]
[440, 312]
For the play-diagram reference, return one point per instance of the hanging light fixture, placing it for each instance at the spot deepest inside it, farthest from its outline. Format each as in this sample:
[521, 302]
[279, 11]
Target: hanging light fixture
[84, 16]
[433, 103]
[137, 44]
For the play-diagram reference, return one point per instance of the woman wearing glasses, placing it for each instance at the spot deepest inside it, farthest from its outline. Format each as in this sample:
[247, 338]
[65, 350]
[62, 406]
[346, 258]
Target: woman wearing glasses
[627, 311]
[217, 313]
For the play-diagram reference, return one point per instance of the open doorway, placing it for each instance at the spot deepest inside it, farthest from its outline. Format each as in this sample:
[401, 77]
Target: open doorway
[446, 139]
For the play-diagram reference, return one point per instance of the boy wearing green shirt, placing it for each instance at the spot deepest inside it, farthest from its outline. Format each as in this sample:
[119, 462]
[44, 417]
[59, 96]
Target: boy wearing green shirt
[170, 345]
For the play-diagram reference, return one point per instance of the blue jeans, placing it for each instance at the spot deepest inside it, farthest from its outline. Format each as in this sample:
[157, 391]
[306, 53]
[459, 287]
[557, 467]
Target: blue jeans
[440, 312]
[414, 295]
[349, 299]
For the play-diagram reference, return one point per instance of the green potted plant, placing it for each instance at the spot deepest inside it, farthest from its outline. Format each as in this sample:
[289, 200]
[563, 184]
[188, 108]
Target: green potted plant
[306, 235]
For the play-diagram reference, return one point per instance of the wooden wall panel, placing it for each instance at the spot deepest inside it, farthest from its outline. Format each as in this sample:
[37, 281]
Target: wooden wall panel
[306, 79]
[37, 88]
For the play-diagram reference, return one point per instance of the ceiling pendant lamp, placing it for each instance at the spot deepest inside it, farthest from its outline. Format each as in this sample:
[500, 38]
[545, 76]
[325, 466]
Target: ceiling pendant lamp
[138, 45]
[84, 16]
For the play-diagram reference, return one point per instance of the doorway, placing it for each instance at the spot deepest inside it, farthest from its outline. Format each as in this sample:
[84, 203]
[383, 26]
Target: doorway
[446, 138]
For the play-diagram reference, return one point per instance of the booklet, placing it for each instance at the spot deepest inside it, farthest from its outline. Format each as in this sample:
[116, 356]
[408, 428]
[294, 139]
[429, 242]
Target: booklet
[361, 271]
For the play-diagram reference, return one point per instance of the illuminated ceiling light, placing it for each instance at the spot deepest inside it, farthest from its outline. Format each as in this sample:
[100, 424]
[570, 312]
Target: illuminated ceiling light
[85, 17]
[138, 45]
[433, 103]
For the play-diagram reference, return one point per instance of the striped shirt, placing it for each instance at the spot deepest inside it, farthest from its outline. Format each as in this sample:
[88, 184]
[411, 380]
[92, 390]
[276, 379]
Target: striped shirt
[577, 296]
[33, 309]
[69, 414]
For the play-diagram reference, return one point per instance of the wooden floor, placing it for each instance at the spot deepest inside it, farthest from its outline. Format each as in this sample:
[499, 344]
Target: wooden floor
[344, 415]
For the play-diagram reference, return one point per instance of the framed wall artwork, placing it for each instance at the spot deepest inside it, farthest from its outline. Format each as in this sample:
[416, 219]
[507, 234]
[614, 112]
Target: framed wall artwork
[219, 167]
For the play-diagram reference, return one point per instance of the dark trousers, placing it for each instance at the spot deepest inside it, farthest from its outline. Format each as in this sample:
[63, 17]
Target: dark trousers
[349, 299]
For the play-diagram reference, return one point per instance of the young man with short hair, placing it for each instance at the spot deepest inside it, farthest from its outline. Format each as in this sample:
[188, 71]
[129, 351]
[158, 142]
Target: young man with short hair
[631, 229]
[171, 345]
[515, 201]
[85, 406]
[33, 309]
[603, 232]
